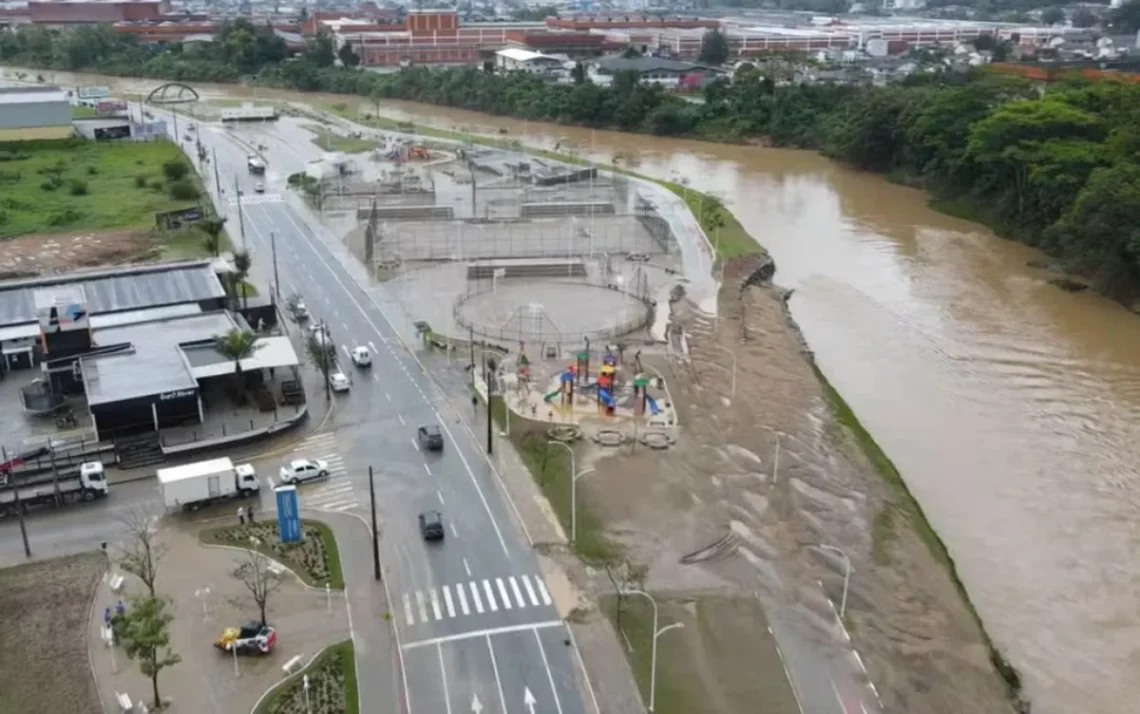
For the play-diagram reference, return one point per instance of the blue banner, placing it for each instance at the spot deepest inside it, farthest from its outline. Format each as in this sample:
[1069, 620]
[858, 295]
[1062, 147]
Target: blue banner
[288, 516]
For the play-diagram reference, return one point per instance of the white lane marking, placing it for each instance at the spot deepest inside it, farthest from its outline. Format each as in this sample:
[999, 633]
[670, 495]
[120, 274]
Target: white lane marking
[467, 567]
[415, 445]
[542, 591]
[495, 669]
[838, 698]
[371, 346]
[582, 668]
[549, 674]
[529, 591]
[481, 633]
[503, 594]
[344, 326]
[408, 610]
[447, 601]
[346, 352]
[439, 495]
[421, 605]
[462, 599]
[435, 604]
[442, 678]
[352, 298]
[386, 395]
[454, 532]
[428, 469]
[404, 423]
[518, 593]
[475, 596]
[376, 378]
[490, 596]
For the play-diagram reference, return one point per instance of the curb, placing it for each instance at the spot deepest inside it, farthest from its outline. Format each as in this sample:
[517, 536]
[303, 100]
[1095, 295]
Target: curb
[91, 614]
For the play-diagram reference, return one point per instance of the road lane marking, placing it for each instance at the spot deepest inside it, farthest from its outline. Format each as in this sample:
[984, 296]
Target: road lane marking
[402, 422]
[408, 610]
[454, 532]
[495, 669]
[439, 495]
[542, 591]
[490, 596]
[447, 601]
[435, 604]
[475, 597]
[518, 593]
[428, 469]
[530, 591]
[376, 378]
[346, 352]
[462, 599]
[838, 697]
[549, 674]
[467, 567]
[415, 445]
[372, 346]
[481, 633]
[442, 678]
[503, 593]
[386, 395]
[421, 605]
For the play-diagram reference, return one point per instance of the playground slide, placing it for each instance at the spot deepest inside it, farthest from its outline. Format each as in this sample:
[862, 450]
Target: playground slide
[552, 395]
[652, 404]
[605, 397]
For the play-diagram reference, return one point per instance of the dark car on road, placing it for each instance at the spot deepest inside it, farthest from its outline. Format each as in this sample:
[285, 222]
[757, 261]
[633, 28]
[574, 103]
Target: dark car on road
[430, 438]
[431, 525]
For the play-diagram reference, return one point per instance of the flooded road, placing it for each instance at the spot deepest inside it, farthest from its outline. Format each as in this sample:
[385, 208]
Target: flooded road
[1009, 405]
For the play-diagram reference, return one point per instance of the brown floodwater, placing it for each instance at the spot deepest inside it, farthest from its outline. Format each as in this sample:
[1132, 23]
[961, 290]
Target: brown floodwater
[1010, 406]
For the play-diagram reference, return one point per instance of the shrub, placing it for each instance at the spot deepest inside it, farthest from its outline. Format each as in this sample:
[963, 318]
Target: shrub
[77, 187]
[183, 190]
[14, 155]
[9, 176]
[157, 186]
[65, 217]
[3, 217]
[174, 170]
[140, 181]
[92, 170]
[47, 185]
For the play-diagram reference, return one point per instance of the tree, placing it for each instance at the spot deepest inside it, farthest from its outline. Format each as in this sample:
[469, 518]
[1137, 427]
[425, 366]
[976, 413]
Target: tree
[322, 355]
[578, 74]
[237, 345]
[144, 631]
[242, 264]
[1052, 16]
[213, 228]
[260, 582]
[1126, 18]
[376, 96]
[1083, 18]
[141, 551]
[714, 48]
[321, 51]
[347, 56]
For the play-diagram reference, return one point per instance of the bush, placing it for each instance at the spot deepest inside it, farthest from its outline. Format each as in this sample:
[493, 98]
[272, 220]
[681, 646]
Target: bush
[48, 185]
[3, 217]
[10, 176]
[92, 170]
[183, 190]
[140, 181]
[175, 170]
[65, 217]
[14, 155]
[157, 186]
[77, 187]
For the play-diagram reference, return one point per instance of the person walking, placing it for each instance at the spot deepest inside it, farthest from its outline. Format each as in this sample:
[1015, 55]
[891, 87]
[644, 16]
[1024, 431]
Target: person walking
[249, 513]
[241, 515]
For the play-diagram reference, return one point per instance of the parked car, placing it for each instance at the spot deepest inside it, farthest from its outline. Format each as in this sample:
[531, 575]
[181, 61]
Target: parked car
[260, 187]
[431, 525]
[430, 437]
[301, 470]
[339, 382]
[361, 357]
[251, 638]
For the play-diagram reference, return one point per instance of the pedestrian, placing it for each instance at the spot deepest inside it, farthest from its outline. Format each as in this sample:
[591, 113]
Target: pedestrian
[249, 512]
[241, 516]
[475, 404]
[107, 616]
[120, 609]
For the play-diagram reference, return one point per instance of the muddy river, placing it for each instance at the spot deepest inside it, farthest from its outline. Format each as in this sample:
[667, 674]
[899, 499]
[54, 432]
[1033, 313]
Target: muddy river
[1009, 405]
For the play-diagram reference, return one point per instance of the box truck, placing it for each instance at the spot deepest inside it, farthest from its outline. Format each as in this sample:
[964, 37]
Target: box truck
[90, 483]
[202, 483]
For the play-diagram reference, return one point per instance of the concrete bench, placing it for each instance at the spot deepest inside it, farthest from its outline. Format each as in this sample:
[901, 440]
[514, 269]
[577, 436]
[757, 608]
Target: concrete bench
[124, 702]
[276, 568]
[116, 583]
[291, 665]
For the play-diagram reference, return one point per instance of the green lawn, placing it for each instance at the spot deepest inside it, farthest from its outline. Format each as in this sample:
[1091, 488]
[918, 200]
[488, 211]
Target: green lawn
[75, 184]
[190, 242]
[331, 141]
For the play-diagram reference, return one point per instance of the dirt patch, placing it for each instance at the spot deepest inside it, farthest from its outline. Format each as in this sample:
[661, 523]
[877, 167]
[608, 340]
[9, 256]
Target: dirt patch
[46, 609]
[33, 255]
[709, 512]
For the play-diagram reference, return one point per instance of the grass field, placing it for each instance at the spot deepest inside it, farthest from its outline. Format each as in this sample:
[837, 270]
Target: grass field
[331, 141]
[43, 643]
[75, 184]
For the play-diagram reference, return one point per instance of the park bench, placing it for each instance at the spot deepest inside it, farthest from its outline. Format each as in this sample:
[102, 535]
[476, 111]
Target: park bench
[124, 702]
[116, 583]
[291, 665]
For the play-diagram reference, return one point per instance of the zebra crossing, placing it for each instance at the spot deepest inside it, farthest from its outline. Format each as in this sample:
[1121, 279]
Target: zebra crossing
[474, 597]
[334, 493]
[256, 198]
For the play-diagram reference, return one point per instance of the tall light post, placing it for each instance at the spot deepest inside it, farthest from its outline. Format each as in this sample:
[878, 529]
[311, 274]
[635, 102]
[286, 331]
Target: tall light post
[653, 656]
[564, 445]
[846, 575]
[776, 457]
[574, 503]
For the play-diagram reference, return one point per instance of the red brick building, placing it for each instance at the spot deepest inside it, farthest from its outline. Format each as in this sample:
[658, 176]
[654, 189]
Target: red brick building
[81, 12]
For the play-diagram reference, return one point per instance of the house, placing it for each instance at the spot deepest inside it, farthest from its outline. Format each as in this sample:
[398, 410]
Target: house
[513, 59]
[651, 70]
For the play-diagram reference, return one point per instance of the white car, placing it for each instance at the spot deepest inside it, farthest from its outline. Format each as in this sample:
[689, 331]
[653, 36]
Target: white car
[361, 357]
[301, 470]
[260, 187]
[339, 382]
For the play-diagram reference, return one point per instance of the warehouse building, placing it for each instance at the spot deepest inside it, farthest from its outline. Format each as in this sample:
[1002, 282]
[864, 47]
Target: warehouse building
[34, 113]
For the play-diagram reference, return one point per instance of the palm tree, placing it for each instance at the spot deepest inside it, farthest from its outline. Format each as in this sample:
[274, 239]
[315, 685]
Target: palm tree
[213, 227]
[242, 263]
[237, 345]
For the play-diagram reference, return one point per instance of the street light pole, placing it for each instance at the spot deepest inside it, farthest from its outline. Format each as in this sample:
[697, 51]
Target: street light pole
[19, 506]
[776, 457]
[276, 277]
[375, 537]
[574, 502]
[653, 656]
[241, 219]
[846, 576]
[573, 467]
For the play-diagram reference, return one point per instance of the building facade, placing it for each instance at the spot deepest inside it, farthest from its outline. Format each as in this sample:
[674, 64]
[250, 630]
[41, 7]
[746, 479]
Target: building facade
[34, 113]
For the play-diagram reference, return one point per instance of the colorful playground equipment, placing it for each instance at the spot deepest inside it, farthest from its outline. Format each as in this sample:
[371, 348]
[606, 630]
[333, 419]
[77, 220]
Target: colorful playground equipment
[577, 376]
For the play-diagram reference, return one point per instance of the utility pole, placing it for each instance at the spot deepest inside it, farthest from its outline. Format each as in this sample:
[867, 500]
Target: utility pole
[276, 278]
[490, 369]
[375, 536]
[217, 181]
[241, 219]
[19, 506]
[471, 342]
[323, 344]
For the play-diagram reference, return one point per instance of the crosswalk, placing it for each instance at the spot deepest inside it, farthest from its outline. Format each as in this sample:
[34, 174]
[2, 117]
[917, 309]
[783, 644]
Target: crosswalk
[255, 198]
[336, 492]
[474, 597]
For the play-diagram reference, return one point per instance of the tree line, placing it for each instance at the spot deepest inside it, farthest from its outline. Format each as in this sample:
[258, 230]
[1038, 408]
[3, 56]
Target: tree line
[1057, 168]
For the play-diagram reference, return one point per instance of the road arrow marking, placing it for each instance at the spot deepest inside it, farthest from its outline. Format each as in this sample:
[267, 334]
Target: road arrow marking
[476, 706]
[528, 699]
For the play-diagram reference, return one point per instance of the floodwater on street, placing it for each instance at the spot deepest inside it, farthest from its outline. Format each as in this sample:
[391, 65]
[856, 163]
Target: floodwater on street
[1009, 405]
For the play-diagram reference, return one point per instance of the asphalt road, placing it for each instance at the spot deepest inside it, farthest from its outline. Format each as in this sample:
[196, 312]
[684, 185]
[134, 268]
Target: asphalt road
[478, 627]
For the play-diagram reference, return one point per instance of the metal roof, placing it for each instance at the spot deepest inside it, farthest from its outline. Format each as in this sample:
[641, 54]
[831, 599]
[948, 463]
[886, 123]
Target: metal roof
[31, 97]
[521, 55]
[116, 290]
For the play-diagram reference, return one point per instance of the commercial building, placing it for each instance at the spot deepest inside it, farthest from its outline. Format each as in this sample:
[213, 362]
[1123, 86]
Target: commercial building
[63, 13]
[650, 70]
[514, 59]
[34, 113]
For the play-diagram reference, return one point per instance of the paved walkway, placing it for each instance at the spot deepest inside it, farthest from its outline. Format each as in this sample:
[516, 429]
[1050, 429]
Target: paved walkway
[205, 682]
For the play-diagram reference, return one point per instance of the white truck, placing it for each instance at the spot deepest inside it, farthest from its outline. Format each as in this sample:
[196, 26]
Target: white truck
[90, 483]
[255, 164]
[202, 483]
